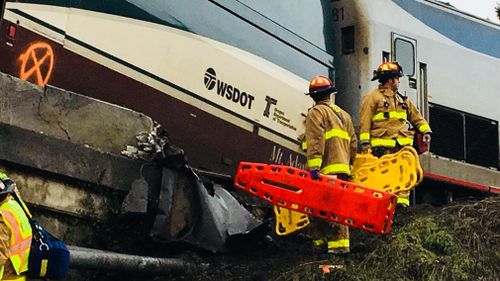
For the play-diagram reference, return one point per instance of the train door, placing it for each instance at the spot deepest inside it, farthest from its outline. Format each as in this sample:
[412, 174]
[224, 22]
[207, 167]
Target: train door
[404, 51]
[422, 97]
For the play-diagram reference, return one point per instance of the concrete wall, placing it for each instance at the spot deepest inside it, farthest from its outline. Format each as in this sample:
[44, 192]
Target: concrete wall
[69, 116]
[63, 151]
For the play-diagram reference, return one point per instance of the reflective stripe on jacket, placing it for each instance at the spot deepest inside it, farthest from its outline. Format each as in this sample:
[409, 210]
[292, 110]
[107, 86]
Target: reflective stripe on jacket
[20, 239]
[383, 118]
[330, 139]
[341, 243]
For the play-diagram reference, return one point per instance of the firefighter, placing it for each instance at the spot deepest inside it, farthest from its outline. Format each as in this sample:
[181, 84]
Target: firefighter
[330, 144]
[15, 234]
[384, 118]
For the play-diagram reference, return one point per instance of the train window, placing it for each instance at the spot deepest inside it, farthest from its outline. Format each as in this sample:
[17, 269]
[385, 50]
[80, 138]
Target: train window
[464, 136]
[348, 40]
[404, 53]
[447, 132]
[481, 140]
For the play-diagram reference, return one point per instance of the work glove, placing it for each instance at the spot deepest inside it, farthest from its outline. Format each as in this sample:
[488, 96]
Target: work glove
[314, 174]
[366, 147]
[427, 139]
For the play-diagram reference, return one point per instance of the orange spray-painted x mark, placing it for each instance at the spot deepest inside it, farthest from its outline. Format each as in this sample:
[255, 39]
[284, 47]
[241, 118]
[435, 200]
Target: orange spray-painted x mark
[37, 63]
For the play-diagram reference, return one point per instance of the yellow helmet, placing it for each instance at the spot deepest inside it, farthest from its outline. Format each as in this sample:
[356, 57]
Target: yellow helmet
[388, 69]
[320, 85]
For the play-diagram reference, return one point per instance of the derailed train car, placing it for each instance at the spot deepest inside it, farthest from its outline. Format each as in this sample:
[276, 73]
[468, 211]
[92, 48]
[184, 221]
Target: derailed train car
[225, 81]
[227, 78]
[450, 60]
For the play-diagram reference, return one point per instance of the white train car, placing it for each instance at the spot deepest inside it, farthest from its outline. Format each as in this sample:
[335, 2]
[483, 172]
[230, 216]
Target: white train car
[451, 62]
[225, 78]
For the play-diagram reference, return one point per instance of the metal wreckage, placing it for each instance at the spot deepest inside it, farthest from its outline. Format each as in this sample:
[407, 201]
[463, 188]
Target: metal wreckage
[189, 209]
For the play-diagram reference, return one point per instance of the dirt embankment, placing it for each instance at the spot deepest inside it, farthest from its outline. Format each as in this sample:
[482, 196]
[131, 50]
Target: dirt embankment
[460, 241]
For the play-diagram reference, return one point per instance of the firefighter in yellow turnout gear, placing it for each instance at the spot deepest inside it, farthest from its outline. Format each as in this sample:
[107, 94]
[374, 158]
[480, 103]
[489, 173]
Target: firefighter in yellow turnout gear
[384, 116]
[330, 143]
[15, 234]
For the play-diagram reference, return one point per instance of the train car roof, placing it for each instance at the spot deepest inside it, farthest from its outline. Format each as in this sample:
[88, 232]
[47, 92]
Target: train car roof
[447, 5]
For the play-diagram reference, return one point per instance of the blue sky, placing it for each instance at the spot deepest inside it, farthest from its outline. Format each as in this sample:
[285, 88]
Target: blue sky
[481, 8]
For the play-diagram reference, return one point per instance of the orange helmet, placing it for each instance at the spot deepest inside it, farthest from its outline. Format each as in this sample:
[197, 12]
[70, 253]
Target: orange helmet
[388, 69]
[320, 85]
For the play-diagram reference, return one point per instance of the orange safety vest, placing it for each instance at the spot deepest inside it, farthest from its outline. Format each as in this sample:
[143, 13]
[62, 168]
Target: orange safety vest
[21, 234]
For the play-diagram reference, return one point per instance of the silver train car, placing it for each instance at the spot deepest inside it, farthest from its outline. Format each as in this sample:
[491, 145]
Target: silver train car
[451, 64]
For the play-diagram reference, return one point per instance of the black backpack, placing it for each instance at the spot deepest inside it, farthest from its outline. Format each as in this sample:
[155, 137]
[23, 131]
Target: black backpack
[49, 256]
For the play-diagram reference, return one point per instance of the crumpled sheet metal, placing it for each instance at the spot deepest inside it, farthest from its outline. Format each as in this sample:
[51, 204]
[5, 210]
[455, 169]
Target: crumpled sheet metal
[188, 212]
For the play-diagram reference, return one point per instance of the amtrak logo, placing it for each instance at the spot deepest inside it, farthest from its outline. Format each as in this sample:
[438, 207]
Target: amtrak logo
[210, 78]
[226, 90]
